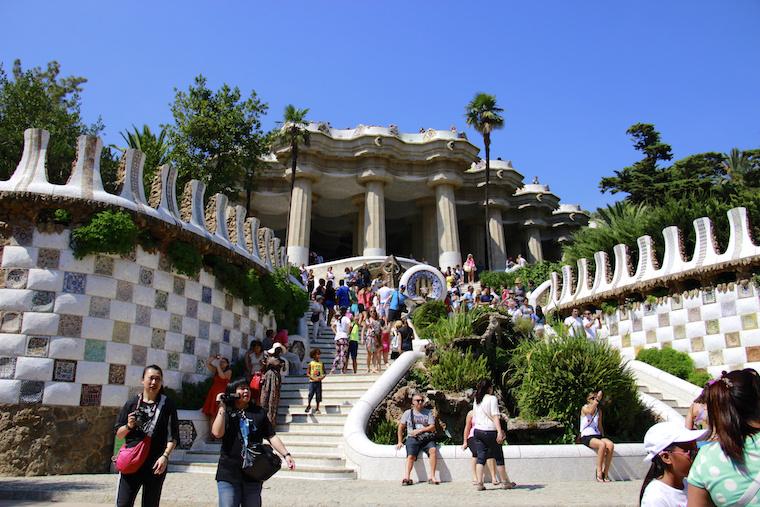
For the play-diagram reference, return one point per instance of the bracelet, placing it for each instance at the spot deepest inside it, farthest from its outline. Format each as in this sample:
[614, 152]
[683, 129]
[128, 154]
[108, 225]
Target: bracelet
[165, 456]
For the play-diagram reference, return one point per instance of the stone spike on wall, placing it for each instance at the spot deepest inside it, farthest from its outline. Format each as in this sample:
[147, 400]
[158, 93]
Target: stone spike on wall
[265, 238]
[240, 244]
[31, 171]
[210, 215]
[230, 224]
[252, 237]
[154, 199]
[186, 205]
[85, 177]
[198, 220]
[169, 191]
[275, 251]
[219, 218]
[133, 188]
[740, 251]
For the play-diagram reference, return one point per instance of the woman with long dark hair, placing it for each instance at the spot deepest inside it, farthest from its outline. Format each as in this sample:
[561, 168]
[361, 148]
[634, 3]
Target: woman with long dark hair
[670, 447]
[592, 435]
[488, 434]
[232, 418]
[727, 472]
[150, 414]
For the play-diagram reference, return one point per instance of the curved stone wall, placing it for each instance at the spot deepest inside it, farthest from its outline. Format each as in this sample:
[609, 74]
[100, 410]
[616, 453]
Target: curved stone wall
[741, 253]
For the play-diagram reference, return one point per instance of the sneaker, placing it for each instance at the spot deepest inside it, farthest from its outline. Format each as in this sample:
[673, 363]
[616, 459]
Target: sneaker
[307, 410]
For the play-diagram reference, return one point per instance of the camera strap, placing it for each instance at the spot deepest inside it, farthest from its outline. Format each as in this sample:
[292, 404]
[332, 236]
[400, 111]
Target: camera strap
[151, 426]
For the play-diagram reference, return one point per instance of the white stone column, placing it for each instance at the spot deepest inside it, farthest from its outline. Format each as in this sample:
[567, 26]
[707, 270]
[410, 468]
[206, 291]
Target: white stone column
[358, 239]
[496, 236]
[449, 253]
[299, 226]
[374, 181]
[535, 253]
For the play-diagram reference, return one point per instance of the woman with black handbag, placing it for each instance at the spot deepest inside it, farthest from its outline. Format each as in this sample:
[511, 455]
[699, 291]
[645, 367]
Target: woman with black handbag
[244, 462]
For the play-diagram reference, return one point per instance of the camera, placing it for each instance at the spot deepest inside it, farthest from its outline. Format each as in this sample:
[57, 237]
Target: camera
[229, 399]
[142, 416]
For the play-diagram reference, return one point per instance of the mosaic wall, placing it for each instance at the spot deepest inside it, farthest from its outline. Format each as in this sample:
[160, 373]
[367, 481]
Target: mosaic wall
[718, 327]
[79, 332]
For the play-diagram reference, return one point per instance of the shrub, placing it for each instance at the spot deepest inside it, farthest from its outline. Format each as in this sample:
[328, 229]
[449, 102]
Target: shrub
[443, 332]
[112, 232]
[552, 379]
[674, 362]
[523, 327]
[531, 275]
[385, 432]
[185, 258]
[191, 396]
[456, 371]
[427, 314]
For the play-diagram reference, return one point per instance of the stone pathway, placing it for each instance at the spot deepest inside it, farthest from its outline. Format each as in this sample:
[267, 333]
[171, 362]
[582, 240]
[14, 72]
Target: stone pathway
[191, 490]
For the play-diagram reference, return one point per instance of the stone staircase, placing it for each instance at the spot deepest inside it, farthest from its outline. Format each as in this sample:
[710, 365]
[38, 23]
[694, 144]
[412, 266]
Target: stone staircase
[679, 406]
[314, 440]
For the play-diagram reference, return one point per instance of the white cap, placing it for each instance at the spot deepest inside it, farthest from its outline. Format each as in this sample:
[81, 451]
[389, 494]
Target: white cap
[662, 435]
[277, 345]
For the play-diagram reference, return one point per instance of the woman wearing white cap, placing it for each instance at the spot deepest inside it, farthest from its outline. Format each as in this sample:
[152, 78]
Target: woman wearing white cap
[271, 381]
[670, 447]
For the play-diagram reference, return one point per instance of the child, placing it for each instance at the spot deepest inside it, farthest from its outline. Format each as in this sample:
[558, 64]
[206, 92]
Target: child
[395, 340]
[670, 447]
[316, 374]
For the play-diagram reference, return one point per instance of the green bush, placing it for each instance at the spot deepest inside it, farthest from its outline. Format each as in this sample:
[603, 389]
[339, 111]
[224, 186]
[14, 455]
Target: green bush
[112, 232]
[62, 216]
[385, 432]
[427, 314]
[552, 379]
[185, 258]
[674, 362]
[531, 275]
[443, 332]
[191, 396]
[419, 376]
[456, 371]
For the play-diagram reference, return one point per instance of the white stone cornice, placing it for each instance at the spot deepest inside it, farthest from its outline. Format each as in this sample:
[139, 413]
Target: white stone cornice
[374, 174]
[304, 171]
[445, 178]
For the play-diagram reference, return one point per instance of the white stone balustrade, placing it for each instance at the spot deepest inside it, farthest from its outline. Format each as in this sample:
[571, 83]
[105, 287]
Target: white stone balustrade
[86, 183]
[740, 251]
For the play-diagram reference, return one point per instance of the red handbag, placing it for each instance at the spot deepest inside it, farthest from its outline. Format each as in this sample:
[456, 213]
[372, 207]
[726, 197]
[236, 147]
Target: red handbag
[255, 384]
[130, 459]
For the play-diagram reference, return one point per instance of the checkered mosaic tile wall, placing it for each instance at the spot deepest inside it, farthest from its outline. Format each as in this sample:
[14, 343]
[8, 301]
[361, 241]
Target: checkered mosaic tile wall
[80, 331]
[718, 328]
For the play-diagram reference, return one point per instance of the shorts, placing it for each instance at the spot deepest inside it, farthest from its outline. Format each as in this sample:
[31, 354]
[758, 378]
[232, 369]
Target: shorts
[413, 447]
[315, 390]
[586, 440]
[353, 349]
[394, 315]
[395, 354]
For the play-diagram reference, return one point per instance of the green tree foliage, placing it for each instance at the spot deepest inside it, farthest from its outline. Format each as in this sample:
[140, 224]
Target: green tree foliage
[551, 379]
[293, 132]
[215, 135]
[37, 98]
[108, 231]
[482, 114]
[384, 432]
[674, 362]
[155, 147]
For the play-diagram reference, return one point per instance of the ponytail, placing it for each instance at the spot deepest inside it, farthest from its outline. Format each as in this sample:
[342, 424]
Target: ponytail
[733, 403]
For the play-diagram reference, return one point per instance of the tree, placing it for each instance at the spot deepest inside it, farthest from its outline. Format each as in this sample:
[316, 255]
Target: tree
[294, 132]
[38, 98]
[743, 167]
[155, 148]
[482, 114]
[215, 135]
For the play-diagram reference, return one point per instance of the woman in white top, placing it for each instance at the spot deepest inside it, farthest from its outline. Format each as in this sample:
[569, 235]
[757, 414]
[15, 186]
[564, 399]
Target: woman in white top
[592, 435]
[488, 434]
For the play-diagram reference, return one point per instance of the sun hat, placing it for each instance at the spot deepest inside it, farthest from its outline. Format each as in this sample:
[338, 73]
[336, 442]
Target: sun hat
[663, 434]
[275, 347]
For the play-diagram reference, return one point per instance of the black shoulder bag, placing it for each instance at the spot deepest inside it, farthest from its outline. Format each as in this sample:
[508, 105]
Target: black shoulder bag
[259, 460]
[423, 438]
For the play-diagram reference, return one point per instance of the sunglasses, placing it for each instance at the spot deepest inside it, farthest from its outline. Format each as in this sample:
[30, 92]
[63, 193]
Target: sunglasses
[417, 401]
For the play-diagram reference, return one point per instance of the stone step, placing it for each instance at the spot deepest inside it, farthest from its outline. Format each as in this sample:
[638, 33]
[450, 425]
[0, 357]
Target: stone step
[300, 437]
[347, 390]
[294, 416]
[301, 472]
[288, 399]
[314, 448]
[338, 378]
[327, 428]
[325, 408]
[333, 461]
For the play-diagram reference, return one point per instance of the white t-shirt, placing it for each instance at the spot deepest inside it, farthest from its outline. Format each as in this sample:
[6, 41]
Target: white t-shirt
[590, 330]
[575, 326]
[659, 494]
[481, 419]
[384, 293]
[342, 327]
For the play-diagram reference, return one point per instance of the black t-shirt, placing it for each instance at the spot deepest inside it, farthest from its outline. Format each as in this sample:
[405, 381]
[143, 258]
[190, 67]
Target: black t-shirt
[167, 426]
[407, 336]
[486, 298]
[230, 468]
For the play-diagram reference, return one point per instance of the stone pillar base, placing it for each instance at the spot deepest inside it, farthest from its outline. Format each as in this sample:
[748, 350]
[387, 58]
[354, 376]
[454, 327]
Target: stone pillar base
[298, 255]
[371, 252]
[449, 259]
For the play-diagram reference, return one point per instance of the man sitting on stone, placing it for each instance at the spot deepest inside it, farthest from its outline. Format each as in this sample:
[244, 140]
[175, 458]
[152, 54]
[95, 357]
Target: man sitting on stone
[419, 425]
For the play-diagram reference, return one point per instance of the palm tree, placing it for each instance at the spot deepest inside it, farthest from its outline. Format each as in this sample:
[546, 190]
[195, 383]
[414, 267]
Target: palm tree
[155, 147]
[482, 114]
[737, 165]
[293, 131]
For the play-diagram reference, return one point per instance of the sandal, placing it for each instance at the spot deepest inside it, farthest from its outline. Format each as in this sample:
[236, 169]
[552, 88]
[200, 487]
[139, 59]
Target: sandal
[406, 482]
[598, 477]
[509, 485]
[480, 487]
[433, 481]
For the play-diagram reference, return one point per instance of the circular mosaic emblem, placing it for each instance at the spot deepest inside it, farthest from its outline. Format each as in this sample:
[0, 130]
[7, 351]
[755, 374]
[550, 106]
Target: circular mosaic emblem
[424, 281]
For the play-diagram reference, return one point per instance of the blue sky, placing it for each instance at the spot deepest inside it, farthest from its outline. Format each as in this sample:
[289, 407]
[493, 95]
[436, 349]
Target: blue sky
[571, 76]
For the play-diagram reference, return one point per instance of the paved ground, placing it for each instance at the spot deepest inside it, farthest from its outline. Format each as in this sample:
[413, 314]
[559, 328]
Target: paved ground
[190, 490]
